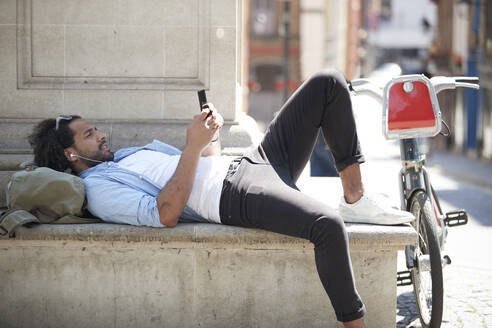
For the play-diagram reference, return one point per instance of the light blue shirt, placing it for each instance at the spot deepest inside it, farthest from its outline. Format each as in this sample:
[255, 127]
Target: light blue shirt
[118, 195]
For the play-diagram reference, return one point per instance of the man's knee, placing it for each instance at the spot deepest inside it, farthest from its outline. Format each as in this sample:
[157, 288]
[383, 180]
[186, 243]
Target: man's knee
[329, 76]
[327, 229]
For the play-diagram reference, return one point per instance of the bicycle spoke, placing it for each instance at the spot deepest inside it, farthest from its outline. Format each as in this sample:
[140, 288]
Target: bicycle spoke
[424, 243]
[422, 233]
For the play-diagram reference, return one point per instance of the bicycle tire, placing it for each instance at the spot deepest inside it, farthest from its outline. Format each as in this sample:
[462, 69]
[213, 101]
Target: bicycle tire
[430, 308]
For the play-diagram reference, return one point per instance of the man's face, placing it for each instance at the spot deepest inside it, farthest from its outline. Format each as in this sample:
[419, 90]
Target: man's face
[89, 142]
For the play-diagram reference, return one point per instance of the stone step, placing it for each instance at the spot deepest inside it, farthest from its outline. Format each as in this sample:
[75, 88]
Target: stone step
[123, 133]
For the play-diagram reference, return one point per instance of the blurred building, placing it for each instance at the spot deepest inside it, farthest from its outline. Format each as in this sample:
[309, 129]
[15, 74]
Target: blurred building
[331, 36]
[273, 52]
[463, 46]
[485, 71]
[291, 39]
[399, 31]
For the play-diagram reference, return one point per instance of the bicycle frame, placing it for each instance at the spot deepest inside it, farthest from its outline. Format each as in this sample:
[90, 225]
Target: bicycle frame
[414, 177]
[411, 174]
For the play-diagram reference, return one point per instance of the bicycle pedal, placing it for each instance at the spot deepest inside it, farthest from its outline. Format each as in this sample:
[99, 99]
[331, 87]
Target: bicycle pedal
[446, 260]
[456, 218]
[403, 278]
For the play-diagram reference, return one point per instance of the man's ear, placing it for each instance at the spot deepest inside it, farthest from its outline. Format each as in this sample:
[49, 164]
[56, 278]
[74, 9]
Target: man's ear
[68, 151]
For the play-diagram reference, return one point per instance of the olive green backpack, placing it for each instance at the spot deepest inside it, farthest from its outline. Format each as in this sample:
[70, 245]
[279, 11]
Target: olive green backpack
[42, 195]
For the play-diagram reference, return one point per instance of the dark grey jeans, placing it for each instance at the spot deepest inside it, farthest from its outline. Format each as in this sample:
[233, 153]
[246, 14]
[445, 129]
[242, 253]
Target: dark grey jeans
[262, 192]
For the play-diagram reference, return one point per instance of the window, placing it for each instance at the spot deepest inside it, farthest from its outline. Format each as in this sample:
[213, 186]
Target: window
[263, 18]
[386, 10]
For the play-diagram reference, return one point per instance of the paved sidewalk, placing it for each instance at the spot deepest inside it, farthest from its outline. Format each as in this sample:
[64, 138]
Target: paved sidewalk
[462, 168]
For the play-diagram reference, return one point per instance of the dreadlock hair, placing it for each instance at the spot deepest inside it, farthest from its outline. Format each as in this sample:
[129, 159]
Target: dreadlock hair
[49, 144]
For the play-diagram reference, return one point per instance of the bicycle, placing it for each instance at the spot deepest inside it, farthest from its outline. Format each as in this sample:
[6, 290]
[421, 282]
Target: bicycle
[411, 111]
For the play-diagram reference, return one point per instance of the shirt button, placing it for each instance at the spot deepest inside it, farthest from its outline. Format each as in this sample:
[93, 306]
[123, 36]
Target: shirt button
[140, 177]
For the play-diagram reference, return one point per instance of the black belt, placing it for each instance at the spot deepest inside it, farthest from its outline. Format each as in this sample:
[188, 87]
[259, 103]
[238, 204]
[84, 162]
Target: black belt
[234, 166]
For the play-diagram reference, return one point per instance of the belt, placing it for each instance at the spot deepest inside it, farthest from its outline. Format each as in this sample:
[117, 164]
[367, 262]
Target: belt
[233, 167]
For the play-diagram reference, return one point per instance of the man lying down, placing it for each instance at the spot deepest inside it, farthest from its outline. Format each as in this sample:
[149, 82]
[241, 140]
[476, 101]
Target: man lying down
[157, 185]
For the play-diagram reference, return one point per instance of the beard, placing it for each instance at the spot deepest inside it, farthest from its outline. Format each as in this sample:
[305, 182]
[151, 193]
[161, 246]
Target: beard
[94, 158]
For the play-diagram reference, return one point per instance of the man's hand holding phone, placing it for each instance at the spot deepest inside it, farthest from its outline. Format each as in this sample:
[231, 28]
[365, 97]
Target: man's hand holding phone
[204, 128]
[214, 119]
[201, 131]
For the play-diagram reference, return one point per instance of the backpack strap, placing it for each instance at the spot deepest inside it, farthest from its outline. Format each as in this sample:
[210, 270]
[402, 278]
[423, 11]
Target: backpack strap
[13, 219]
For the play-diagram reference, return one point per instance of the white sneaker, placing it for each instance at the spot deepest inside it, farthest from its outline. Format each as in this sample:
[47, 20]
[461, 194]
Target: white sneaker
[371, 210]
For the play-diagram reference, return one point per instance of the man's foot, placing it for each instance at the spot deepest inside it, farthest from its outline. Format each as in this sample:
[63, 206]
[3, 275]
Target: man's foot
[371, 210]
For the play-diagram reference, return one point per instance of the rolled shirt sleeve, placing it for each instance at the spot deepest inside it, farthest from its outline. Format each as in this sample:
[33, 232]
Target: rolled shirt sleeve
[116, 202]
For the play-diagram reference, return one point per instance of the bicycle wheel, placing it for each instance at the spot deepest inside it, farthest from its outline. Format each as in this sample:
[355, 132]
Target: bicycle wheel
[427, 272]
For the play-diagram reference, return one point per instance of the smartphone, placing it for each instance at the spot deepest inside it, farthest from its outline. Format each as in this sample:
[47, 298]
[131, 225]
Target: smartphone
[202, 98]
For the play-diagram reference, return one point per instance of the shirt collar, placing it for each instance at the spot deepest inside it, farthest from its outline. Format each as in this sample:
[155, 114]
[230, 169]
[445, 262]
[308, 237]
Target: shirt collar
[95, 169]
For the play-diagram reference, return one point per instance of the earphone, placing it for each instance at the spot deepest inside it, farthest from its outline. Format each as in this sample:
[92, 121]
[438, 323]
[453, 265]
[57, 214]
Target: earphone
[88, 159]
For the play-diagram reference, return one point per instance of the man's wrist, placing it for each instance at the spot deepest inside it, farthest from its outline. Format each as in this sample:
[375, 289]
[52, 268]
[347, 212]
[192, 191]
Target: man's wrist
[192, 149]
[217, 136]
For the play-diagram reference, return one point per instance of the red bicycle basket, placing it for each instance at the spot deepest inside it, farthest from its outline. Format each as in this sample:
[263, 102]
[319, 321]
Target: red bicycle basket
[411, 110]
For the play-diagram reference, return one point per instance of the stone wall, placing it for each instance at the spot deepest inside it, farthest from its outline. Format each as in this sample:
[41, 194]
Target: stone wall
[120, 63]
[130, 66]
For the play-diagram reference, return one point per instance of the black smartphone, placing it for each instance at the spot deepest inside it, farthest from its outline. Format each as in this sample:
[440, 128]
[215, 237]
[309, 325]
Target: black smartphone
[202, 98]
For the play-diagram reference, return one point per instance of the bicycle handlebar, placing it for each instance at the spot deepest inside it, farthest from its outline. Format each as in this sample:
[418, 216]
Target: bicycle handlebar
[444, 83]
[365, 86]
[440, 83]
[469, 79]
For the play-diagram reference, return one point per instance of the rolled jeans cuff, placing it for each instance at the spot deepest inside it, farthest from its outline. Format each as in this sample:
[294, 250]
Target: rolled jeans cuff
[352, 316]
[342, 165]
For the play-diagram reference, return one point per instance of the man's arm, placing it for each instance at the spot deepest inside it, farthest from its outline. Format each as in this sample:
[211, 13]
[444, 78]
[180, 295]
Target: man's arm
[173, 197]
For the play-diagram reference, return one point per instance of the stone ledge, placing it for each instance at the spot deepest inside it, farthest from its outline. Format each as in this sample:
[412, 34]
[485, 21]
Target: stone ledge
[361, 236]
[11, 162]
